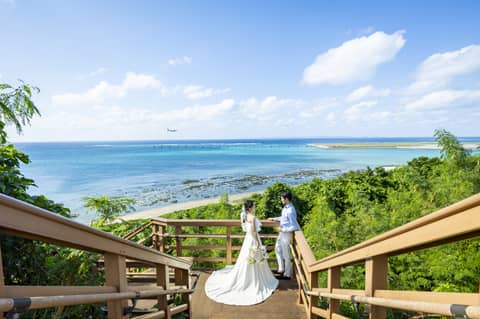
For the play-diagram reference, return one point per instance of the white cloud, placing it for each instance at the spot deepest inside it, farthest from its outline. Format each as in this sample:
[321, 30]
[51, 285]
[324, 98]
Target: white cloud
[180, 60]
[354, 60]
[367, 31]
[104, 90]
[367, 91]
[116, 122]
[268, 108]
[199, 112]
[331, 119]
[382, 117]
[357, 111]
[440, 68]
[318, 108]
[100, 70]
[445, 99]
[195, 92]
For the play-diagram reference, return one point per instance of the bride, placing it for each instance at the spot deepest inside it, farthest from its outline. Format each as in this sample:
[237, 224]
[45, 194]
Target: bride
[250, 280]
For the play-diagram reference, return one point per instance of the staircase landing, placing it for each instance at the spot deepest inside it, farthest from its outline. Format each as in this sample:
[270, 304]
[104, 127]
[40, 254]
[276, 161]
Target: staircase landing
[281, 305]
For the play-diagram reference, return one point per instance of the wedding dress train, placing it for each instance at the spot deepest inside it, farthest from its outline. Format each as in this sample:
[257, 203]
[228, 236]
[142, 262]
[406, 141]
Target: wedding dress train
[249, 281]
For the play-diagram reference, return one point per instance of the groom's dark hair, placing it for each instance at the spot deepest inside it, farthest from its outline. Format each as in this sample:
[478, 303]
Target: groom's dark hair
[287, 194]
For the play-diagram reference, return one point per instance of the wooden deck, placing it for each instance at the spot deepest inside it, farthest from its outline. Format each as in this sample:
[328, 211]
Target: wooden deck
[282, 304]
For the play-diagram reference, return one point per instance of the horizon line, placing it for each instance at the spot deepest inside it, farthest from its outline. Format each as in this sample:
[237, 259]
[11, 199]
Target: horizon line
[230, 139]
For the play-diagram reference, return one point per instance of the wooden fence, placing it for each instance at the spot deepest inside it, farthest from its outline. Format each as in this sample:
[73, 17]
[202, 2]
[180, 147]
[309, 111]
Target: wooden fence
[453, 223]
[450, 224]
[456, 222]
[160, 236]
[26, 221]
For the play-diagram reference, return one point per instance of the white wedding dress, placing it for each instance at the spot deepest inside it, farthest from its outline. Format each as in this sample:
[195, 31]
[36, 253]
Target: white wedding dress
[248, 282]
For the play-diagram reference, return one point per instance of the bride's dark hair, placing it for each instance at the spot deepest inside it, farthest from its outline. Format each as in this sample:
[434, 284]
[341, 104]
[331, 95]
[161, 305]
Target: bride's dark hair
[247, 206]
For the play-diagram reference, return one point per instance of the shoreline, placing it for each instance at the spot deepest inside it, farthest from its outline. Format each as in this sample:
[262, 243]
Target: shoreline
[171, 208]
[157, 212]
[399, 145]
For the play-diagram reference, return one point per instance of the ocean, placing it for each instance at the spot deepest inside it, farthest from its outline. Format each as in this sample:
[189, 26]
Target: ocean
[158, 173]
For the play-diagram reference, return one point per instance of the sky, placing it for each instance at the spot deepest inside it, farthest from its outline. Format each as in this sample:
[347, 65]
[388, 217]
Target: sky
[128, 70]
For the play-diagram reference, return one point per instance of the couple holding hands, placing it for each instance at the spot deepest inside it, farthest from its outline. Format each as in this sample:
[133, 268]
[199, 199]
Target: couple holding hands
[250, 280]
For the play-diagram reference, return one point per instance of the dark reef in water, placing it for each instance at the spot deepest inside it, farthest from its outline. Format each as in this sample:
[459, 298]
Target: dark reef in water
[193, 189]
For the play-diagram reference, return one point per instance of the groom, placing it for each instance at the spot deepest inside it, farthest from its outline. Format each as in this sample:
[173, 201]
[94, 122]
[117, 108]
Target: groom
[288, 224]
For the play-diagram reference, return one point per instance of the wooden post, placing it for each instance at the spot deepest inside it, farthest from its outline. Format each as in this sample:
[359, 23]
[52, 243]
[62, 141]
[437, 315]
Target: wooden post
[187, 298]
[229, 245]
[162, 238]
[333, 282]
[296, 252]
[376, 270]
[115, 275]
[155, 238]
[163, 280]
[299, 295]
[313, 300]
[178, 231]
[2, 282]
[178, 273]
[2, 278]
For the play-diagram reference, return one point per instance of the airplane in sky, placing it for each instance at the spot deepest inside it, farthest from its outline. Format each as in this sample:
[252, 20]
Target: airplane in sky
[171, 130]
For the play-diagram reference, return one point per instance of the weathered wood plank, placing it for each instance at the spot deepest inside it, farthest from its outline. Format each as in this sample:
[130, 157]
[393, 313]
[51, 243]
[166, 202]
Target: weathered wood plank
[23, 220]
[115, 275]
[425, 231]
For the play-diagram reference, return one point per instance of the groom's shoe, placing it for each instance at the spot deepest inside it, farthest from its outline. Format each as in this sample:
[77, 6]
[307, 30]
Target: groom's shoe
[282, 277]
[276, 272]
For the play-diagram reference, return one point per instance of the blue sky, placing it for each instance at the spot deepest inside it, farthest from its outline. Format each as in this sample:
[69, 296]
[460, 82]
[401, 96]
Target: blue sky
[116, 70]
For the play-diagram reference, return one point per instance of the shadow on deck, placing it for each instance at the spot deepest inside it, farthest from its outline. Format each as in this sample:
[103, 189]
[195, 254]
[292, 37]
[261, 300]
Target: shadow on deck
[282, 304]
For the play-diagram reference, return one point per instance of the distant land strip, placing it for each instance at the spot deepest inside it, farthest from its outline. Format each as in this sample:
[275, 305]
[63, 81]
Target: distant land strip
[410, 145]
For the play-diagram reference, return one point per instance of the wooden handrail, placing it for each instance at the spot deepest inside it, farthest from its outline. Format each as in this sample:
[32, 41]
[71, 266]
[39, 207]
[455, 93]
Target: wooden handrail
[137, 231]
[20, 219]
[456, 222]
[445, 309]
[7, 304]
[304, 248]
[442, 214]
[27, 221]
[159, 235]
[207, 222]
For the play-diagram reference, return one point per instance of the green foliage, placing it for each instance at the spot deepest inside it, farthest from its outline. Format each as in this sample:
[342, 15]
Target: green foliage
[108, 209]
[16, 107]
[224, 199]
[338, 213]
[27, 262]
[452, 149]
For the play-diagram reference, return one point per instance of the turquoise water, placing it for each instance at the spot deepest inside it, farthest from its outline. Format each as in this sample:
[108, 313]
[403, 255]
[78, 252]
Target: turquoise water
[158, 173]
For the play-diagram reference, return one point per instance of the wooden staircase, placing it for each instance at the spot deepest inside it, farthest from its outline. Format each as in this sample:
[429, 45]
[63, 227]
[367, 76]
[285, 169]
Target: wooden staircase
[167, 276]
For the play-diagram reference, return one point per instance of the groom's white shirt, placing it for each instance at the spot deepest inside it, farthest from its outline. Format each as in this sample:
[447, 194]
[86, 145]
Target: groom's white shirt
[288, 224]
[288, 219]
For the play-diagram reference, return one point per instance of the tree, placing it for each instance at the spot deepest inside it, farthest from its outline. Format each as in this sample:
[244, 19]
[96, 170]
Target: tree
[27, 262]
[16, 107]
[108, 209]
[452, 149]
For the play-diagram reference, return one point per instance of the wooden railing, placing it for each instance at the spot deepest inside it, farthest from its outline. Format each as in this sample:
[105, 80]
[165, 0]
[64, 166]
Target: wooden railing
[26, 221]
[450, 224]
[169, 235]
[453, 223]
